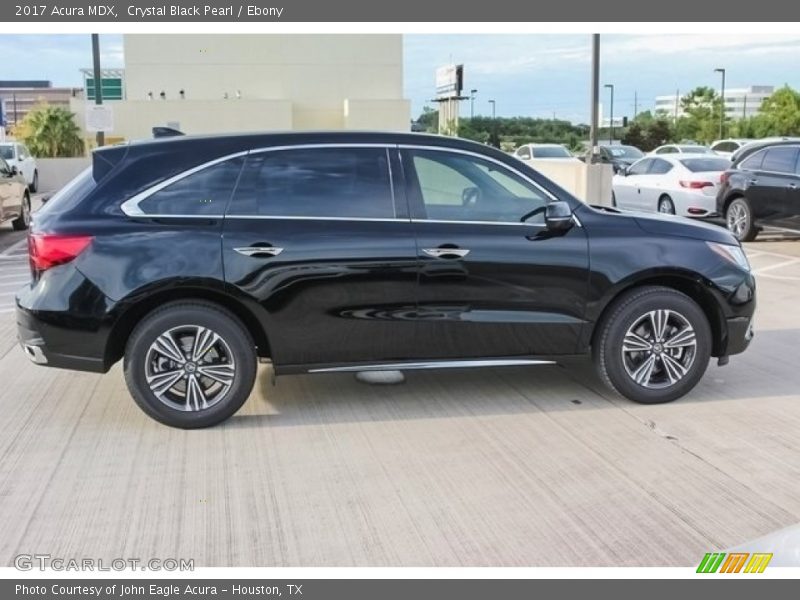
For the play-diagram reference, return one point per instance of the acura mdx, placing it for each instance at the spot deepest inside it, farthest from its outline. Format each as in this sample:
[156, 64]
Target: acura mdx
[192, 258]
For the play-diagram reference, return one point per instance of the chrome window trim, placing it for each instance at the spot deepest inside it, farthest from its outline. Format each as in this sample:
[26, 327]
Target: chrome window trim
[313, 218]
[131, 206]
[506, 223]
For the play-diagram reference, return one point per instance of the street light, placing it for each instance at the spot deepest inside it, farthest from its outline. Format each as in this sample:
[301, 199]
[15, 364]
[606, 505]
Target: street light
[472, 94]
[493, 103]
[610, 86]
[722, 97]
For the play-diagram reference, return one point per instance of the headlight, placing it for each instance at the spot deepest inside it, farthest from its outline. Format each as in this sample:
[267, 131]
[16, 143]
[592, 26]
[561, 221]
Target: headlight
[733, 254]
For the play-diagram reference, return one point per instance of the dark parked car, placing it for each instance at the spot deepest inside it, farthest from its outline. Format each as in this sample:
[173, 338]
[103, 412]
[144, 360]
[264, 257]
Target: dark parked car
[620, 157]
[192, 258]
[15, 200]
[762, 188]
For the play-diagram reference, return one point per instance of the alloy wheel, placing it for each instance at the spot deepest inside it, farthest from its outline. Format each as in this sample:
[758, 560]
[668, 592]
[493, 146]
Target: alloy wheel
[665, 207]
[26, 212]
[190, 368]
[737, 219]
[659, 349]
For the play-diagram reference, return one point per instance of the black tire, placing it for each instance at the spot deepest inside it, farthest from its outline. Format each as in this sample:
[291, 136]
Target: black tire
[174, 319]
[614, 365]
[739, 220]
[24, 220]
[665, 205]
[613, 199]
[34, 186]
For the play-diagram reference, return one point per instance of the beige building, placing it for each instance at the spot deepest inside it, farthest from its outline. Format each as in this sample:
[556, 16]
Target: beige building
[231, 83]
[20, 97]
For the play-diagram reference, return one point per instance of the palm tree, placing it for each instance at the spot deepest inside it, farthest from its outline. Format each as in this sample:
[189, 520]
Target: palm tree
[50, 131]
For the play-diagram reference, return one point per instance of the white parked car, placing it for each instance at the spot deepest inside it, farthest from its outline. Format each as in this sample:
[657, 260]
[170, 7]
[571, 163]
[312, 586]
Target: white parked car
[675, 184]
[682, 149]
[546, 151]
[729, 146]
[17, 155]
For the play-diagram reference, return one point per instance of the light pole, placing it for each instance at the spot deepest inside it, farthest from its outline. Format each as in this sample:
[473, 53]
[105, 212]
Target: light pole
[98, 82]
[595, 93]
[610, 86]
[722, 97]
[493, 103]
[472, 94]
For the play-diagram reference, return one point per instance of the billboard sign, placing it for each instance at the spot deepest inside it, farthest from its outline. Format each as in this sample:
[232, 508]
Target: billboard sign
[449, 81]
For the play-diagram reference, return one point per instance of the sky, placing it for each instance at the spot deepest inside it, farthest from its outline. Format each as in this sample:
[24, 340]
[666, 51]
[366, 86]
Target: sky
[527, 75]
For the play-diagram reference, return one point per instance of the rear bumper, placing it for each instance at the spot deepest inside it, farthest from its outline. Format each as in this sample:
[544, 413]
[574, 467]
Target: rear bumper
[32, 341]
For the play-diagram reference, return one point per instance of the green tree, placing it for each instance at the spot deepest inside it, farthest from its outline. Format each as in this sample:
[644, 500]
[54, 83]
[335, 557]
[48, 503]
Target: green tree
[779, 114]
[657, 133]
[50, 131]
[702, 108]
[634, 136]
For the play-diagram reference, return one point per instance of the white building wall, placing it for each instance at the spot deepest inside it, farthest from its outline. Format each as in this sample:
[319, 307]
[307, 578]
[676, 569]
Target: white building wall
[739, 102]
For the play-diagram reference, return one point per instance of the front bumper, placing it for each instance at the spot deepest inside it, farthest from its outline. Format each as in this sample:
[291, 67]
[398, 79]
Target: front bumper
[740, 334]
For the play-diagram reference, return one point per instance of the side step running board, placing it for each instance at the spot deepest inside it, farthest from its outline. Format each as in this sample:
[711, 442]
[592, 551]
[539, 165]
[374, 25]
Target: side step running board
[437, 364]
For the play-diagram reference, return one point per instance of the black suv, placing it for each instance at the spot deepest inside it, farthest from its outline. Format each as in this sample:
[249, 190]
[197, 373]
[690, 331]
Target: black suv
[762, 188]
[190, 258]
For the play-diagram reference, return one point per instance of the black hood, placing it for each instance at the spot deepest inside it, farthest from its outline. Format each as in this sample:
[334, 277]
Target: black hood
[684, 227]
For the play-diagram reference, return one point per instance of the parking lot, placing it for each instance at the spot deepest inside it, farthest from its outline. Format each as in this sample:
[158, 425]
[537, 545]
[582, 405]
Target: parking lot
[516, 466]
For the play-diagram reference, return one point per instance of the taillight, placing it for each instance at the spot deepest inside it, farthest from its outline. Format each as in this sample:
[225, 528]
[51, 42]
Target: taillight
[724, 176]
[696, 185]
[48, 251]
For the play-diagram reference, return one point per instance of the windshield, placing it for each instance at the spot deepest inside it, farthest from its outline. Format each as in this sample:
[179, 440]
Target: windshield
[695, 149]
[550, 152]
[7, 152]
[699, 165]
[625, 152]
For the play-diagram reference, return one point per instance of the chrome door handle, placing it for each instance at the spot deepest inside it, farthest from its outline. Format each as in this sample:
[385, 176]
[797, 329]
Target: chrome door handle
[446, 252]
[256, 251]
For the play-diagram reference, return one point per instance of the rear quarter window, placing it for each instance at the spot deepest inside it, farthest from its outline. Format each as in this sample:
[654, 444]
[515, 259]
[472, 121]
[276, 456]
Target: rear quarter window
[70, 195]
[699, 165]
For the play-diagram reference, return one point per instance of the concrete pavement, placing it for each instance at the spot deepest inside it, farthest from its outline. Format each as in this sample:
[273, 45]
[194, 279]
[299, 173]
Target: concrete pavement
[516, 466]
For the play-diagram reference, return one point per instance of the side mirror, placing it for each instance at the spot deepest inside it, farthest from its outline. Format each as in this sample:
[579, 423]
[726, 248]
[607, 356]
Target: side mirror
[14, 170]
[558, 216]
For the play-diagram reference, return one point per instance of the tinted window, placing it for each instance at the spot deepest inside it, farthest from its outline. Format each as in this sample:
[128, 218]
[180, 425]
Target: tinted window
[753, 162]
[550, 152]
[316, 182]
[71, 194]
[724, 147]
[7, 152]
[667, 150]
[698, 165]
[694, 149]
[204, 192]
[624, 151]
[780, 159]
[641, 167]
[524, 152]
[660, 167]
[4, 168]
[457, 187]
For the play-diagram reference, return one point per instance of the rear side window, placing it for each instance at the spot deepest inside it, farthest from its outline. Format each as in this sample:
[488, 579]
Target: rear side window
[204, 192]
[316, 182]
[524, 153]
[641, 167]
[753, 162]
[781, 159]
[660, 167]
[700, 165]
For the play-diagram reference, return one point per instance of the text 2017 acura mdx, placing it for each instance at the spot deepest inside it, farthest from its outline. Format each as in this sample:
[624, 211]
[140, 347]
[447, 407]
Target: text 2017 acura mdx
[192, 257]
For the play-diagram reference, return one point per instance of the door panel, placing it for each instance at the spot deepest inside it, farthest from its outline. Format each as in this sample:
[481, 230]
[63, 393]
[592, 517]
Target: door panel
[491, 285]
[337, 282]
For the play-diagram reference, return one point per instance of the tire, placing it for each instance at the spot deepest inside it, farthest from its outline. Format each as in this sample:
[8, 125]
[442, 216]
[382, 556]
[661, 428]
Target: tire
[631, 313]
[34, 186]
[739, 220]
[232, 355]
[613, 199]
[665, 205]
[24, 221]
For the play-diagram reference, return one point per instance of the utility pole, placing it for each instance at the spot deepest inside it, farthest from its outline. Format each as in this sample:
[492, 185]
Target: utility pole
[98, 82]
[14, 101]
[635, 103]
[722, 97]
[744, 107]
[494, 105]
[677, 99]
[472, 94]
[595, 94]
[610, 86]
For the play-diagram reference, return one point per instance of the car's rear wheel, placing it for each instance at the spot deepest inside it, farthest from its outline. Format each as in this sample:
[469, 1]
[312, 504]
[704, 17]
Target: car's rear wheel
[190, 364]
[653, 346]
[24, 220]
[34, 187]
[739, 219]
[666, 206]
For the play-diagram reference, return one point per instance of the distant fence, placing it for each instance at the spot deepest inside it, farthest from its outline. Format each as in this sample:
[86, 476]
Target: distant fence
[54, 173]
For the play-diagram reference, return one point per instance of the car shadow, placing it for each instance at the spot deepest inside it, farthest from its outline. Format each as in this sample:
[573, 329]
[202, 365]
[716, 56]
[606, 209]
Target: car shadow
[766, 370]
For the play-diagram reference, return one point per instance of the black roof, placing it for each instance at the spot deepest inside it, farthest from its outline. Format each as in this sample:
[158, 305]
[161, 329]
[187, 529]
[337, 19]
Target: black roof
[756, 145]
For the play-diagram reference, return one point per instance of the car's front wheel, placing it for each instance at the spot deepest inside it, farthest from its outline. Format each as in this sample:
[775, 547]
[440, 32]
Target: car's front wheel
[190, 364]
[34, 187]
[653, 345]
[24, 220]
